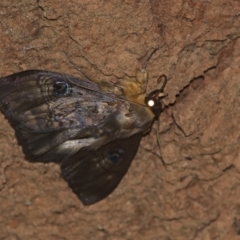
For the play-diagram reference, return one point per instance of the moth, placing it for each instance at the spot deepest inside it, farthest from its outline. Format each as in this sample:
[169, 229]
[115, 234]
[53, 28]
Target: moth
[91, 129]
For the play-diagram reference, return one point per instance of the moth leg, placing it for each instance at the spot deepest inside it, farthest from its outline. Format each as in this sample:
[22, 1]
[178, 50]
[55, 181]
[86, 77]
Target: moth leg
[142, 74]
[77, 67]
[139, 88]
[142, 79]
[135, 91]
[111, 87]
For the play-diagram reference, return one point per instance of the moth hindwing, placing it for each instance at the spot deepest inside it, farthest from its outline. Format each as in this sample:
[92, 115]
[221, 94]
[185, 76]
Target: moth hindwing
[91, 130]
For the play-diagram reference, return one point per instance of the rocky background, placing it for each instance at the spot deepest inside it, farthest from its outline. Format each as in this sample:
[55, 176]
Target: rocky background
[197, 195]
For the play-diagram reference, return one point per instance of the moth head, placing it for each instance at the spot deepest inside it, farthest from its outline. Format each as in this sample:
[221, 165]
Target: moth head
[153, 99]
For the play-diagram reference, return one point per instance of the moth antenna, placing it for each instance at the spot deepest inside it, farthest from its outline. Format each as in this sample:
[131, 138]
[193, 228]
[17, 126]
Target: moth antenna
[149, 57]
[161, 78]
[77, 67]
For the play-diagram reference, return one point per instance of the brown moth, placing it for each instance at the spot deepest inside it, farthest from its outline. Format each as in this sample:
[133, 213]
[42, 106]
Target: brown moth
[91, 129]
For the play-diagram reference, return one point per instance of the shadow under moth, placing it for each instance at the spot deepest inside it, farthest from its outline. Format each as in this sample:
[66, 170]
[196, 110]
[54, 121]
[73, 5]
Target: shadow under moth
[92, 130]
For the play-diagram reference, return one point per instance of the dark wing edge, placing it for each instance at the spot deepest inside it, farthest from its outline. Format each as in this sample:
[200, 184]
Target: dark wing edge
[92, 176]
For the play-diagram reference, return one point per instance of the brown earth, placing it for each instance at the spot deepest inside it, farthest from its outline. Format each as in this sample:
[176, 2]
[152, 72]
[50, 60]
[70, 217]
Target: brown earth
[197, 195]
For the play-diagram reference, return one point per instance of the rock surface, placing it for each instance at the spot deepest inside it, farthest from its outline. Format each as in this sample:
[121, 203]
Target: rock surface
[197, 195]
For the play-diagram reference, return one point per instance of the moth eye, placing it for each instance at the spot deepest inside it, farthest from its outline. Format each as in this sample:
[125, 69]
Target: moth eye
[115, 155]
[61, 89]
[151, 103]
